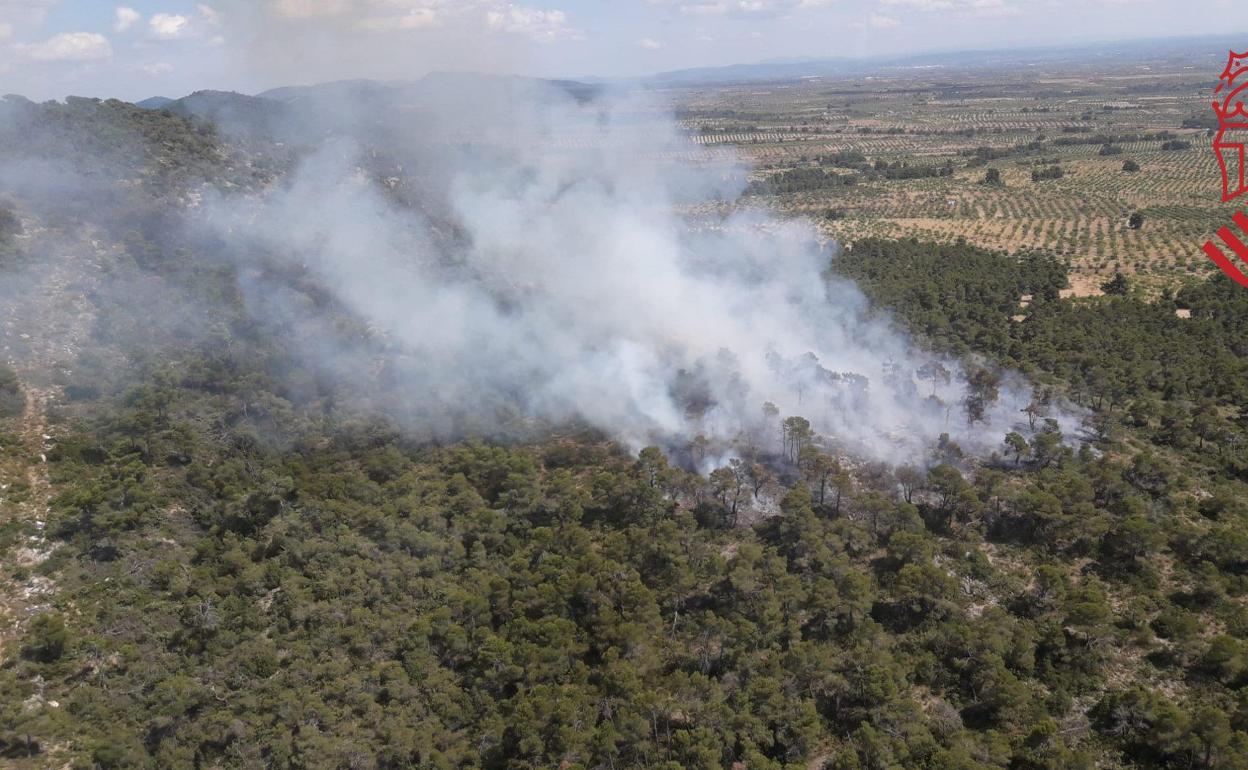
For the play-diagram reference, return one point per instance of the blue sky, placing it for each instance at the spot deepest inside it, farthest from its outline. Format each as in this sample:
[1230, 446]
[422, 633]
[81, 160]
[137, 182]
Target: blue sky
[50, 48]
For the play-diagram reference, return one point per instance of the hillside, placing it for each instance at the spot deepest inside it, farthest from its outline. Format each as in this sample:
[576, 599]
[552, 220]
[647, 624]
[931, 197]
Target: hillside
[223, 551]
[308, 114]
[154, 102]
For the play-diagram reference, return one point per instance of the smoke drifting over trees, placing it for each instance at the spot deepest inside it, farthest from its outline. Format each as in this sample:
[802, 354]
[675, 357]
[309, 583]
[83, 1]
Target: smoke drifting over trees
[476, 255]
[481, 256]
[537, 256]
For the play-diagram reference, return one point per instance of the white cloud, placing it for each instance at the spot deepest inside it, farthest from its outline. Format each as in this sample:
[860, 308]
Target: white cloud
[415, 18]
[499, 16]
[923, 5]
[68, 46]
[649, 43]
[705, 9]
[382, 15]
[311, 9]
[209, 15]
[418, 18]
[880, 21]
[742, 7]
[169, 26]
[124, 18]
[982, 8]
[992, 8]
[6, 31]
[542, 26]
[16, 13]
[157, 68]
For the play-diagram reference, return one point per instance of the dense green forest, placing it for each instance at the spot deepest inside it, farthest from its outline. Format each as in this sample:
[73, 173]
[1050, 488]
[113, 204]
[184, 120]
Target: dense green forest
[1177, 382]
[251, 574]
[306, 592]
[814, 179]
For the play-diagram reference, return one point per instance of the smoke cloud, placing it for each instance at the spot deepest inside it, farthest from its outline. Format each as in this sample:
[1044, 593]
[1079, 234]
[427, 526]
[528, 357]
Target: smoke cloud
[529, 253]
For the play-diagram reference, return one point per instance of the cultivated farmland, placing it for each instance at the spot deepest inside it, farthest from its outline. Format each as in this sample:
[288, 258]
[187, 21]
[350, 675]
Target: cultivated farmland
[907, 154]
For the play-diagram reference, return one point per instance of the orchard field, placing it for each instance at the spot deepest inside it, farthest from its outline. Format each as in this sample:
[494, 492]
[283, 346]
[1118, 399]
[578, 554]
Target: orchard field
[912, 150]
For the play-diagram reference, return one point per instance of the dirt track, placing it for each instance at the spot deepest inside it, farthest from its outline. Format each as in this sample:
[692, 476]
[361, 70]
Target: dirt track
[24, 593]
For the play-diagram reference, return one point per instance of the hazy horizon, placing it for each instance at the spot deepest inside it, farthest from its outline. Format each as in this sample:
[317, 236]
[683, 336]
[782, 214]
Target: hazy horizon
[54, 48]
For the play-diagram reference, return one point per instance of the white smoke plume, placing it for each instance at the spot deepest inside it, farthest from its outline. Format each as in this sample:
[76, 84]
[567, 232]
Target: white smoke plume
[540, 255]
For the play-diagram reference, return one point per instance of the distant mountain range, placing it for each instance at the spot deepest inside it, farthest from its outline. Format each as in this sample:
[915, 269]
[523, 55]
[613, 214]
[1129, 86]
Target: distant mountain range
[299, 112]
[435, 84]
[370, 100]
[1212, 47]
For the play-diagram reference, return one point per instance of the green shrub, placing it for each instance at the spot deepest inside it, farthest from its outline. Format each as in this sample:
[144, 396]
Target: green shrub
[47, 639]
[11, 399]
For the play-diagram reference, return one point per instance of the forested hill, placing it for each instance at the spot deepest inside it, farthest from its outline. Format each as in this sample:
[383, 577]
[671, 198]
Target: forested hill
[113, 140]
[216, 557]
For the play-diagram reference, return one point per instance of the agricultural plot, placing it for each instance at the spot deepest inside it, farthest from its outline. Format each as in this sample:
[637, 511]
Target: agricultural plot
[905, 126]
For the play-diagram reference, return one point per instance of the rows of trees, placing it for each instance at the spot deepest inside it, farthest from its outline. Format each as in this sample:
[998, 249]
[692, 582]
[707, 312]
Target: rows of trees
[800, 180]
[813, 179]
[1047, 174]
